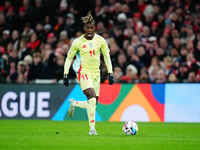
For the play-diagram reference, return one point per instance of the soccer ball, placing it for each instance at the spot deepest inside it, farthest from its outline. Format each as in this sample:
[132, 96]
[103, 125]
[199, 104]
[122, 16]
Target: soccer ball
[130, 128]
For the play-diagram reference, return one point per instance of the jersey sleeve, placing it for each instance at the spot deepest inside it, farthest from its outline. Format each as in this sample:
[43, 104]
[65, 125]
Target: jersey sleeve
[106, 54]
[71, 53]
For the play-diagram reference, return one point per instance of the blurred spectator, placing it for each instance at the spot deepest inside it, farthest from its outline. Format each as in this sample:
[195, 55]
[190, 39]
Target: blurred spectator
[153, 69]
[143, 78]
[161, 77]
[191, 77]
[36, 69]
[60, 60]
[117, 73]
[122, 61]
[18, 75]
[131, 75]
[172, 78]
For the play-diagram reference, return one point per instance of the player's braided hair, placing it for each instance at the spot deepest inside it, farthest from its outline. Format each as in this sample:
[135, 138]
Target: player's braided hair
[88, 19]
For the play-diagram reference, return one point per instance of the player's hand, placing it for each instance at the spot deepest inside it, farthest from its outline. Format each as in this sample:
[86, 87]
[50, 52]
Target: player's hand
[110, 79]
[66, 81]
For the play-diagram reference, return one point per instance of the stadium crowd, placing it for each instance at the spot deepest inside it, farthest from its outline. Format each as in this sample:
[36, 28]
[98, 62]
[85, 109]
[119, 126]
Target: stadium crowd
[154, 41]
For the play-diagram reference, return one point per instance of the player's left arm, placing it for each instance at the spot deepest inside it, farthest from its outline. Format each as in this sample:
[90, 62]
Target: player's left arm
[106, 54]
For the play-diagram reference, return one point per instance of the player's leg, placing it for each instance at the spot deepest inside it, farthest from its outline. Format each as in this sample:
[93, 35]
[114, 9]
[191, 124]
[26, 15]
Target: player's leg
[90, 93]
[76, 103]
[96, 83]
[85, 83]
[80, 104]
[87, 86]
[93, 94]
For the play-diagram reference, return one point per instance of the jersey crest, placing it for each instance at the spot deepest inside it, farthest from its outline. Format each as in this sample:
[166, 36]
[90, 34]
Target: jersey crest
[90, 45]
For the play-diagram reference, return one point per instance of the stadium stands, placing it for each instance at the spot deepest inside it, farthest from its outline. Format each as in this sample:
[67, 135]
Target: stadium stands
[150, 40]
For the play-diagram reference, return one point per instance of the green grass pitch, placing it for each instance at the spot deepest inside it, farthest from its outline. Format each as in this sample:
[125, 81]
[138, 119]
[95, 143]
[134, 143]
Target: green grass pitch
[73, 135]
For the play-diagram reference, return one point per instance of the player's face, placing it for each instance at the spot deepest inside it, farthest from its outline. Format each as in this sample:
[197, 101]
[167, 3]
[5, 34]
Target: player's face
[89, 31]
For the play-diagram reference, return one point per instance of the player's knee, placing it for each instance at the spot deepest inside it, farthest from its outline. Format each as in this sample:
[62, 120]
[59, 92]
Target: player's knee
[90, 93]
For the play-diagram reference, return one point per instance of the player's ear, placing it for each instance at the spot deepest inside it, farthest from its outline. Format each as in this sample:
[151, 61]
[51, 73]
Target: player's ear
[85, 28]
[94, 27]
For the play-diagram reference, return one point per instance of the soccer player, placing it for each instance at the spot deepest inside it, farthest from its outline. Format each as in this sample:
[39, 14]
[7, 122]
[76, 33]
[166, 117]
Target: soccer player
[87, 49]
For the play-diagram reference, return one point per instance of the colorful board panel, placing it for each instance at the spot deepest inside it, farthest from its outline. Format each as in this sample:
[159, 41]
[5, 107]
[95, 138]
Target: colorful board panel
[118, 102]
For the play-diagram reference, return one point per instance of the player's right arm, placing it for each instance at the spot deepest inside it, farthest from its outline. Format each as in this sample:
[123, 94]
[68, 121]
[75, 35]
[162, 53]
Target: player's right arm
[71, 53]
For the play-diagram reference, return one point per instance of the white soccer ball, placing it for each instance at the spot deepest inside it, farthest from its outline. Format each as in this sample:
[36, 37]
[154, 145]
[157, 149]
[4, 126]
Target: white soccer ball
[130, 128]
